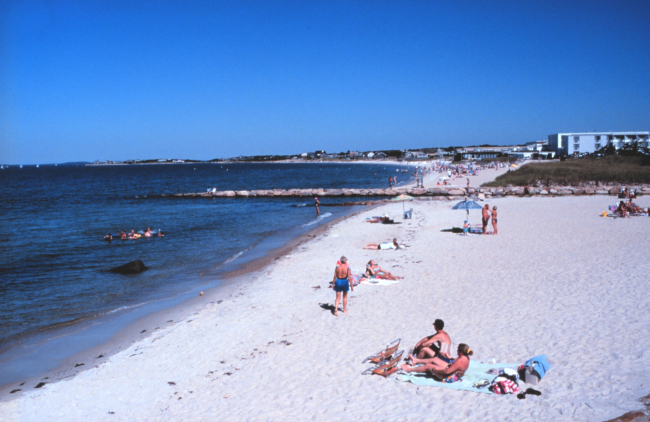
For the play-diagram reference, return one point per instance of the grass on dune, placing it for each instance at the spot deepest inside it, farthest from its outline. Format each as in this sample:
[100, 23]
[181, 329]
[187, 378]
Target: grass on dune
[617, 169]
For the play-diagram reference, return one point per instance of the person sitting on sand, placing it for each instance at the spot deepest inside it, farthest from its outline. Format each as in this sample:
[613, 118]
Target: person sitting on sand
[385, 245]
[621, 210]
[341, 283]
[374, 270]
[634, 208]
[427, 348]
[440, 369]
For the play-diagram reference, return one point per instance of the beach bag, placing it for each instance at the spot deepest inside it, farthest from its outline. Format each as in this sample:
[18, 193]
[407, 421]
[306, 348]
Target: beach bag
[534, 369]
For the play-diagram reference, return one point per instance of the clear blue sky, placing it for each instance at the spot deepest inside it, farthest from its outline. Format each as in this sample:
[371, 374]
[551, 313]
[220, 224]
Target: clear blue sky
[117, 80]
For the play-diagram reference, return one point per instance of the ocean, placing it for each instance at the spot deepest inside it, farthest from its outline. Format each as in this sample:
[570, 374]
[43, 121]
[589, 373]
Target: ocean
[56, 297]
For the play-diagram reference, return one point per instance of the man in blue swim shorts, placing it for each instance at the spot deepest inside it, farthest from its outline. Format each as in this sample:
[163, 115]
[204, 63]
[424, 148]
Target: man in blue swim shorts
[341, 284]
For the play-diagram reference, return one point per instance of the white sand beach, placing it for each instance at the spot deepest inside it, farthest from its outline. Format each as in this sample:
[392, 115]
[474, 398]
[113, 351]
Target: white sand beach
[558, 280]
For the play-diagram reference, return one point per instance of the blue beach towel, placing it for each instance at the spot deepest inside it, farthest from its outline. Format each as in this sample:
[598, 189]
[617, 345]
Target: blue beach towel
[476, 372]
[541, 365]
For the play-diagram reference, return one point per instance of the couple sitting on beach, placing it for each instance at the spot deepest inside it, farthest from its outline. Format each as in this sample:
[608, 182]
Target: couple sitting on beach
[427, 357]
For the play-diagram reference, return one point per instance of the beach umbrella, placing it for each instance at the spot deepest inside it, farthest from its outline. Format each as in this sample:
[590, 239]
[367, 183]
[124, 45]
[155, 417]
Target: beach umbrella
[466, 205]
[402, 198]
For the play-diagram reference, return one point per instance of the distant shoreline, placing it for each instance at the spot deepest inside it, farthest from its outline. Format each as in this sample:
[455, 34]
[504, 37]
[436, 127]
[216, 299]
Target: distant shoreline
[399, 163]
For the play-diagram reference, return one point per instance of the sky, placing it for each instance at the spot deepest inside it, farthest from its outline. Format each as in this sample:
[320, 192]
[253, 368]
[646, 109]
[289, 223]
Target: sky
[116, 80]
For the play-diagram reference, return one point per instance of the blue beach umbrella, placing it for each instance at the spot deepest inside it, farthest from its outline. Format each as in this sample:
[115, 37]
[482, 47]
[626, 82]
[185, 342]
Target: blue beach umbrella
[466, 205]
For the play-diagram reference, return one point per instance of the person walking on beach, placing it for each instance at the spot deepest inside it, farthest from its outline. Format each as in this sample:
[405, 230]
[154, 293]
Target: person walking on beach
[494, 219]
[486, 217]
[341, 284]
[317, 203]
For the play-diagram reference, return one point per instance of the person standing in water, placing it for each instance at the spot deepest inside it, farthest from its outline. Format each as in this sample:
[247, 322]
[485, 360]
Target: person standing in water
[317, 203]
[341, 284]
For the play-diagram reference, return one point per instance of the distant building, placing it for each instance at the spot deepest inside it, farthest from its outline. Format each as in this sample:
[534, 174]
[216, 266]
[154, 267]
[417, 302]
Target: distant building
[570, 143]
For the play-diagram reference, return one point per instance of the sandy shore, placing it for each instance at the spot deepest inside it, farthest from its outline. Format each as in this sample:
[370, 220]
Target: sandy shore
[558, 280]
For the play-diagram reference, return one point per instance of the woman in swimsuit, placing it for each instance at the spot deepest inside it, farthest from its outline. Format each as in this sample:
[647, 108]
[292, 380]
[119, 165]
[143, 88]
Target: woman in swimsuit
[374, 270]
[341, 284]
[439, 368]
[494, 219]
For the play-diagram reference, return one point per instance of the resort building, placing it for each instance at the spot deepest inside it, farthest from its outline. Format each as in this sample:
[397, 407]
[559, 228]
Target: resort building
[571, 143]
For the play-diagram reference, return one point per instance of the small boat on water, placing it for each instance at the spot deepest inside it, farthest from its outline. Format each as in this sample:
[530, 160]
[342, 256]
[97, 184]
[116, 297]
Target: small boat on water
[37, 165]
[21, 166]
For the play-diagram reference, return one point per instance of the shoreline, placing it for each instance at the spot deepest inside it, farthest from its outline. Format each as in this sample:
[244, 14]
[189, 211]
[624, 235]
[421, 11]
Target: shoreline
[132, 333]
[252, 356]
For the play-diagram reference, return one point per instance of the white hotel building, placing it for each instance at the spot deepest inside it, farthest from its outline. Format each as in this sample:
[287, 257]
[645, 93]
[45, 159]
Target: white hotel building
[570, 143]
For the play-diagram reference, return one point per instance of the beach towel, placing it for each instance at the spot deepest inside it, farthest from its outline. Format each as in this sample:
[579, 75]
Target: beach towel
[378, 282]
[476, 372]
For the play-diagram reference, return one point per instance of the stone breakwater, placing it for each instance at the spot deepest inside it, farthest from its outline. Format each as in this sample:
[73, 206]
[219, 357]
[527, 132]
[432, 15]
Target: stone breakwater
[437, 192]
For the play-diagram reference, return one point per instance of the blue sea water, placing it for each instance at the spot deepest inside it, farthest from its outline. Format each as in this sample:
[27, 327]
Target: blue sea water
[53, 258]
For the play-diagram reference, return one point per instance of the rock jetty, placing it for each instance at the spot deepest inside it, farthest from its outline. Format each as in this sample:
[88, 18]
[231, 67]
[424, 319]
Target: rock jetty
[437, 192]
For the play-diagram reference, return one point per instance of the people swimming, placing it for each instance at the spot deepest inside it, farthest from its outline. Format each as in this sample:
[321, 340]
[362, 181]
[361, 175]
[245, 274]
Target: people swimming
[132, 235]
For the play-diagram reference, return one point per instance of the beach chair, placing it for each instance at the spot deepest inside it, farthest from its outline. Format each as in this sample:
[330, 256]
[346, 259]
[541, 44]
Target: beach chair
[391, 349]
[385, 368]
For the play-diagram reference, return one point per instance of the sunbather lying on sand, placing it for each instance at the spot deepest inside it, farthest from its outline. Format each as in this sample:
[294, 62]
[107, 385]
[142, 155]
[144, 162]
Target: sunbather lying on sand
[385, 245]
[427, 347]
[383, 220]
[445, 372]
[374, 270]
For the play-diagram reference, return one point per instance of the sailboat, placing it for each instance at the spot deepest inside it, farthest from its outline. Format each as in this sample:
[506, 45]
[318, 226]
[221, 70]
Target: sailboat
[37, 165]
[21, 166]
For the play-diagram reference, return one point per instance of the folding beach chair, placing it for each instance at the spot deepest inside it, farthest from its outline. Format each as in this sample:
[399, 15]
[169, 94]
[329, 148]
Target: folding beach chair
[385, 368]
[390, 350]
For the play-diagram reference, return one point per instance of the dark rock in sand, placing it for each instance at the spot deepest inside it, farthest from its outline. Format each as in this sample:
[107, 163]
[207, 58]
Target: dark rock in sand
[39, 385]
[132, 267]
[15, 391]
